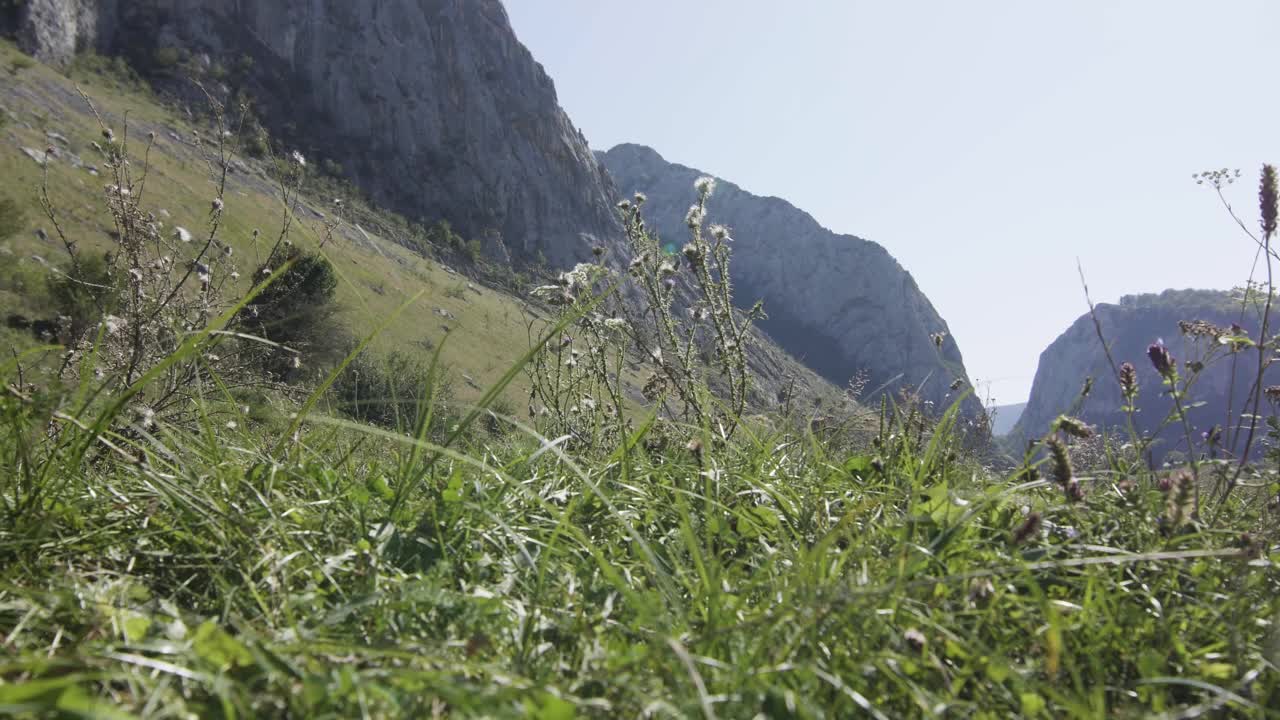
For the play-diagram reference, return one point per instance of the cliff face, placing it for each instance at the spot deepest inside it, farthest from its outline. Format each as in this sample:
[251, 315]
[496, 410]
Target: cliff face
[433, 107]
[1130, 328]
[839, 303]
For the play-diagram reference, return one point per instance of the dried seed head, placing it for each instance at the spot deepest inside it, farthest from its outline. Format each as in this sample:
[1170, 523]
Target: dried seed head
[1060, 460]
[1267, 199]
[705, 185]
[1073, 427]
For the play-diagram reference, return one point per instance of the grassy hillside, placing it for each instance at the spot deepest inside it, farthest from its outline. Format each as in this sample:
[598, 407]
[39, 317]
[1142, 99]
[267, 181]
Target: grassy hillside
[488, 327]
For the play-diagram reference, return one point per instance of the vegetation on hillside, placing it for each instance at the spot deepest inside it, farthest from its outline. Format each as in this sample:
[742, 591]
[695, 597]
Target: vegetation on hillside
[189, 528]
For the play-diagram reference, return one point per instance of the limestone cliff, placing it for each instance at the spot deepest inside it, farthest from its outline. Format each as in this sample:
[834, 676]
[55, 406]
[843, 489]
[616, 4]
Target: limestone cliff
[839, 303]
[1129, 328]
[433, 107]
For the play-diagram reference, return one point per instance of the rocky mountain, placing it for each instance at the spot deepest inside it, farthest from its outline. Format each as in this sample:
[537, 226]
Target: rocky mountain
[1004, 417]
[433, 107]
[840, 304]
[1130, 327]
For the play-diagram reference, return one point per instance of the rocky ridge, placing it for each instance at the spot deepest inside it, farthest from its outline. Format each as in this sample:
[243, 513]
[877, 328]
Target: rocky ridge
[433, 107]
[839, 303]
[1129, 328]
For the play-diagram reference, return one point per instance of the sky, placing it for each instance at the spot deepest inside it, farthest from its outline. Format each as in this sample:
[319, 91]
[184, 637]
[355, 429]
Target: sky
[988, 145]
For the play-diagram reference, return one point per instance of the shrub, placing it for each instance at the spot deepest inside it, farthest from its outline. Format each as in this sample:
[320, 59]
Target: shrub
[296, 312]
[394, 392]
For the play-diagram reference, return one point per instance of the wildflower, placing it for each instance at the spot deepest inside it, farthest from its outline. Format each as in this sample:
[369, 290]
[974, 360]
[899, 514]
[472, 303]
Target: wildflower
[720, 233]
[617, 324]
[1162, 360]
[299, 159]
[296, 361]
[108, 135]
[981, 590]
[146, 417]
[705, 185]
[641, 198]
[217, 205]
[182, 234]
[695, 448]
[597, 251]
[1267, 199]
[915, 640]
[1028, 528]
[1128, 380]
[1200, 328]
[695, 217]
[624, 205]
[151, 136]
[232, 425]
[666, 268]
[938, 339]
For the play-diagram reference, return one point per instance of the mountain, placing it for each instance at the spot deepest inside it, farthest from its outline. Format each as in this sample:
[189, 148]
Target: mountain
[1129, 328]
[840, 304]
[1004, 417]
[432, 107]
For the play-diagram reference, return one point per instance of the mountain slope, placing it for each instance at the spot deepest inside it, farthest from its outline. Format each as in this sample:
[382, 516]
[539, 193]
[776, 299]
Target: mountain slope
[1129, 328]
[433, 107]
[839, 303]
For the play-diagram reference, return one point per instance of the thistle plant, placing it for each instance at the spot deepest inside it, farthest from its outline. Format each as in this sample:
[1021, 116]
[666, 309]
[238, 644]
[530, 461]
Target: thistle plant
[709, 326]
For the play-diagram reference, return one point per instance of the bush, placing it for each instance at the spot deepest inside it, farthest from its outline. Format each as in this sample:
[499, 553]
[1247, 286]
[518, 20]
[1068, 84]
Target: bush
[85, 293]
[394, 391]
[296, 313]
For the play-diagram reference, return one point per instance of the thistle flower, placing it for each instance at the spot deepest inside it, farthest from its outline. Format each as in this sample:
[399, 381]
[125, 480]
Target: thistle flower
[1128, 380]
[299, 159]
[1162, 360]
[108, 135]
[624, 206]
[182, 234]
[938, 338]
[640, 198]
[705, 185]
[694, 253]
[1267, 199]
[695, 217]
[217, 205]
[720, 233]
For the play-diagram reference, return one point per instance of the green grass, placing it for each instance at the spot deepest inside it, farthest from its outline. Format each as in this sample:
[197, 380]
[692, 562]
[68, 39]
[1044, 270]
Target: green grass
[228, 576]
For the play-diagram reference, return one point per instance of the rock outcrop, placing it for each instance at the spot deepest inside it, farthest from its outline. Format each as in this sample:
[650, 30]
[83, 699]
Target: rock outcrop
[433, 107]
[839, 303]
[1129, 328]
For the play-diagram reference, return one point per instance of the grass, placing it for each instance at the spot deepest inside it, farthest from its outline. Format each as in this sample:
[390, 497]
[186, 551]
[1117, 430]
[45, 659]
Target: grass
[218, 576]
[237, 563]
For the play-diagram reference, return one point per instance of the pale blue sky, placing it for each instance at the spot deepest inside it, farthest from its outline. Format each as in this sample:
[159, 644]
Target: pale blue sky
[986, 144]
